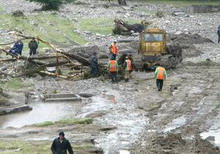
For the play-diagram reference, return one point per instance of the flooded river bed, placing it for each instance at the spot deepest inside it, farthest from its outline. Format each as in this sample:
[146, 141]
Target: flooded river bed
[41, 112]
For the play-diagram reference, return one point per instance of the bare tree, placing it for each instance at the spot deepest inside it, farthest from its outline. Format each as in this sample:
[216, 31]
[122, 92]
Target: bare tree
[122, 2]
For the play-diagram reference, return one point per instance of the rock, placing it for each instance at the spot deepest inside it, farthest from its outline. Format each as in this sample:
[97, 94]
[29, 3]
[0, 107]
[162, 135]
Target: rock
[96, 114]
[107, 128]
[86, 95]
[210, 138]
[18, 13]
[178, 13]
[126, 8]
[92, 6]
[178, 33]
[15, 109]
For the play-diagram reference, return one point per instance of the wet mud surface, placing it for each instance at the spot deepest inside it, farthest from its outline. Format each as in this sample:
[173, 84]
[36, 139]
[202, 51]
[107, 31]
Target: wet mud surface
[134, 117]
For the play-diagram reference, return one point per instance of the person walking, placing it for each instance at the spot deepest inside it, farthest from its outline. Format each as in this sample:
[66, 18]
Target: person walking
[218, 32]
[94, 65]
[33, 45]
[113, 69]
[128, 68]
[160, 75]
[113, 50]
[60, 145]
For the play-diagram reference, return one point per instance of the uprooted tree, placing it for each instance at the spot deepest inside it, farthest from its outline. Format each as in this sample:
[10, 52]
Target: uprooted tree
[51, 4]
[122, 2]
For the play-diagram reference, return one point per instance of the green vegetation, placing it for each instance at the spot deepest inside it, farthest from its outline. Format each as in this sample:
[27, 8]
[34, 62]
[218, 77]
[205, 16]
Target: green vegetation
[102, 26]
[51, 4]
[44, 124]
[97, 25]
[65, 122]
[14, 84]
[76, 121]
[21, 147]
[217, 106]
[36, 147]
[49, 27]
[184, 2]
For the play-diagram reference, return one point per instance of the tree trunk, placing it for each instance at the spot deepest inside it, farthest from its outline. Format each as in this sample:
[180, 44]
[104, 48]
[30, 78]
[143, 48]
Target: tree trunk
[122, 2]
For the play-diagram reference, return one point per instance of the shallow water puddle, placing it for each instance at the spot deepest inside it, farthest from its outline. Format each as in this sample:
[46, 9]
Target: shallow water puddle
[124, 152]
[178, 122]
[212, 133]
[41, 112]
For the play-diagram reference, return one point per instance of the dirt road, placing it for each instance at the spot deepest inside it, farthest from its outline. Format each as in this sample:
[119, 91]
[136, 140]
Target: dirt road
[134, 116]
[187, 107]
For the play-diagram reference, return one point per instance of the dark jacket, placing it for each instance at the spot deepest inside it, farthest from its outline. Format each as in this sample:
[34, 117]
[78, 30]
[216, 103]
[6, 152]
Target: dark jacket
[17, 48]
[93, 61]
[33, 45]
[61, 148]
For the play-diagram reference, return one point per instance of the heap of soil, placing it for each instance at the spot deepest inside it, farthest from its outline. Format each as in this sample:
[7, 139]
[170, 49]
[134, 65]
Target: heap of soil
[174, 143]
[187, 39]
[186, 42]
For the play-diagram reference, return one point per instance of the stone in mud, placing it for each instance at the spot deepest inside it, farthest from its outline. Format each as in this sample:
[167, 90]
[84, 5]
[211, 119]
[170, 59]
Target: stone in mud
[107, 128]
[16, 109]
[18, 13]
[96, 114]
[86, 95]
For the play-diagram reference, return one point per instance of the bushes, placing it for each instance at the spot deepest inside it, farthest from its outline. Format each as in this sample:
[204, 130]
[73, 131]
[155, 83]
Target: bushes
[51, 4]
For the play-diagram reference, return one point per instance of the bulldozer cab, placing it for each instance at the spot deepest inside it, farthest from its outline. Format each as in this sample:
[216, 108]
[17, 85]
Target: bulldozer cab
[152, 42]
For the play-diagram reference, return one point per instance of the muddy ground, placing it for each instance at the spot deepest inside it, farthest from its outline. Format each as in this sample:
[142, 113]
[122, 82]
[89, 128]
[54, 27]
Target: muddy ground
[134, 116]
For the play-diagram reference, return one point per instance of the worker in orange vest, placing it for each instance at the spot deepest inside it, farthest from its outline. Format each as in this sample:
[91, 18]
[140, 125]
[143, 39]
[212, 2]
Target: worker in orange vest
[128, 68]
[160, 75]
[113, 69]
[113, 50]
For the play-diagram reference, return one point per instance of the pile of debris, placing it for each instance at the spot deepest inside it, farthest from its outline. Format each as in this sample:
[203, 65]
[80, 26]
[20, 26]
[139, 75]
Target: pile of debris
[72, 64]
[122, 28]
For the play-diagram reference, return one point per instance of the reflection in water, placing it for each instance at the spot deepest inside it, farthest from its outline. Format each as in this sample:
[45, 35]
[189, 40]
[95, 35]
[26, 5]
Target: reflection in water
[41, 112]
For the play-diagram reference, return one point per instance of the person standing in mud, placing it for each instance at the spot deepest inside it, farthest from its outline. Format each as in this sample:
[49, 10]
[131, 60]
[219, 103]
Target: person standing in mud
[60, 145]
[218, 32]
[160, 75]
[94, 65]
[33, 45]
[17, 48]
[128, 68]
[113, 69]
[113, 50]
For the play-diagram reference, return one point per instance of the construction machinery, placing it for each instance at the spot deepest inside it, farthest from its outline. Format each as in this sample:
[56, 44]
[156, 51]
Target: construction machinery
[153, 50]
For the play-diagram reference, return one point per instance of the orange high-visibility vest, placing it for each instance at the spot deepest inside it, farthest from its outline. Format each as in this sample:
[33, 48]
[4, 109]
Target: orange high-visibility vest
[160, 74]
[112, 66]
[128, 67]
[114, 49]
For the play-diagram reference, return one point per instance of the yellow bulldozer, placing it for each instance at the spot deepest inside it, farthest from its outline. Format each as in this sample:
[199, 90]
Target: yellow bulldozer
[153, 50]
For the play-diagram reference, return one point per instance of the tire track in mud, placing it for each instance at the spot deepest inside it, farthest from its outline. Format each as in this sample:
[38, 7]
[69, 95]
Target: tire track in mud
[186, 112]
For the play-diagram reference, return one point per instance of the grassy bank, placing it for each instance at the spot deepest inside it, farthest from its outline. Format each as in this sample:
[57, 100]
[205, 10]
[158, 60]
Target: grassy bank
[46, 26]
[38, 147]
[65, 122]
[14, 84]
[184, 2]
[101, 26]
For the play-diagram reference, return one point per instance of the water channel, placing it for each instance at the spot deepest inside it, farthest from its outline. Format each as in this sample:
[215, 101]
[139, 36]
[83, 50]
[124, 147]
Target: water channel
[41, 112]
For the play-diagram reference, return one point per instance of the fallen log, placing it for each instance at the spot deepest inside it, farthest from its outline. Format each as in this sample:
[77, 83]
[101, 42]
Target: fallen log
[63, 76]
[78, 58]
